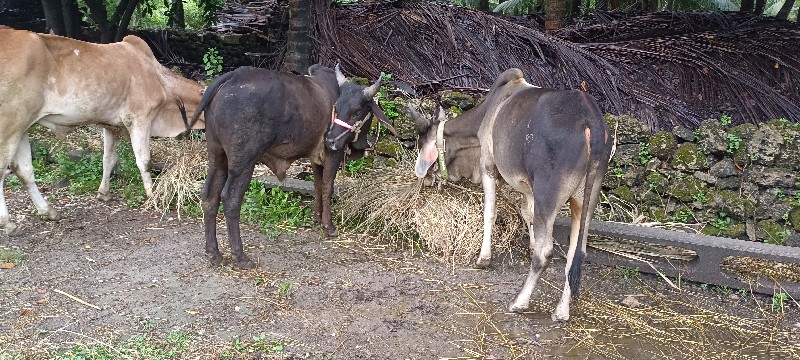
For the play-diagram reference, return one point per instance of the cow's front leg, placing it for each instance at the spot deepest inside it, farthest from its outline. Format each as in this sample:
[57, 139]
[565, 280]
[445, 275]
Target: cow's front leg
[489, 184]
[316, 209]
[333, 159]
[23, 167]
[110, 158]
[140, 142]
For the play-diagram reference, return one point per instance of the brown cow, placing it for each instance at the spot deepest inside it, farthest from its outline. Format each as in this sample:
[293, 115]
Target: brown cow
[257, 115]
[63, 83]
[550, 145]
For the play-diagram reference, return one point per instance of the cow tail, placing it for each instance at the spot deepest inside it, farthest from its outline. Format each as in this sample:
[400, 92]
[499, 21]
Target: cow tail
[208, 95]
[596, 151]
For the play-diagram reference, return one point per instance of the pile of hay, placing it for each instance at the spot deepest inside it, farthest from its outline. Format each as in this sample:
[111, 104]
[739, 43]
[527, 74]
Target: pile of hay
[178, 187]
[445, 220]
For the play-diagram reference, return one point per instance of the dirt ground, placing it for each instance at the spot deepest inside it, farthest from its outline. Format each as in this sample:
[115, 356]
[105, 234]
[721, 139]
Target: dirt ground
[349, 298]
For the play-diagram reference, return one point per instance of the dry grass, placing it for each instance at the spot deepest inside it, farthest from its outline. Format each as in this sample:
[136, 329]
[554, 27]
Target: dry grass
[178, 187]
[445, 220]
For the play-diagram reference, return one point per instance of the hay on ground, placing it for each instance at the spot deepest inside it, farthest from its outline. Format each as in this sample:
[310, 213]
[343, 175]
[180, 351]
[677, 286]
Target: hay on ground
[444, 220]
[178, 187]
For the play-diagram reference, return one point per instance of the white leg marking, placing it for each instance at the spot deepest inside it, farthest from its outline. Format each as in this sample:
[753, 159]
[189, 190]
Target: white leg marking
[23, 167]
[562, 309]
[140, 141]
[489, 214]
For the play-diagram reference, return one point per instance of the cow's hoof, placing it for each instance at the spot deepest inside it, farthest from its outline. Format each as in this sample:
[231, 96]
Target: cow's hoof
[483, 263]
[518, 308]
[560, 316]
[331, 231]
[52, 215]
[245, 263]
[104, 197]
[215, 258]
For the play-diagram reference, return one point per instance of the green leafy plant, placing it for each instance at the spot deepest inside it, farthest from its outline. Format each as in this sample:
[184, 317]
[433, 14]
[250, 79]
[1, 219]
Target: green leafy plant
[258, 344]
[356, 166]
[725, 119]
[284, 289]
[795, 200]
[779, 300]
[701, 197]
[722, 221]
[145, 346]
[11, 255]
[645, 157]
[684, 215]
[734, 143]
[274, 210]
[779, 194]
[628, 273]
[617, 172]
[212, 62]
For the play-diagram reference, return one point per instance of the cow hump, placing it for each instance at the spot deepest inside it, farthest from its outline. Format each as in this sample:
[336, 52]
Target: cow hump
[139, 45]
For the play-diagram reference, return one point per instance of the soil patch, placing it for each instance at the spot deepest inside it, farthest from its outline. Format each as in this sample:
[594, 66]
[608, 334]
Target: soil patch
[351, 297]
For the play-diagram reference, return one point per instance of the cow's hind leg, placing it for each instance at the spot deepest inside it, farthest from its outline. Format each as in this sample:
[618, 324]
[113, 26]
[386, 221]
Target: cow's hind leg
[23, 167]
[212, 191]
[5, 221]
[239, 176]
[541, 245]
[562, 309]
[489, 184]
[316, 209]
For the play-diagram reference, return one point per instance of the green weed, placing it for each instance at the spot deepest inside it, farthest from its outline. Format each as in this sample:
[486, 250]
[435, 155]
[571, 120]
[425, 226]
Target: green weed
[138, 347]
[725, 119]
[356, 166]
[645, 157]
[722, 221]
[212, 62]
[260, 344]
[628, 273]
[284, 289]
[10, 255]
[779, 300]
[734, 143]
[274, 210]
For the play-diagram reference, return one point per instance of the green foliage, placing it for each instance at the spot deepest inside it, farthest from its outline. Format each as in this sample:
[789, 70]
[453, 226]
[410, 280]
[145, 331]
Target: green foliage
[725, 119]
[684, 215]
[722, 221]
[779, 300]
[84, 174]
[138, 347]
[389, 106]
[356, 166]
[212, 62]
[734, 143]
[645, 157]
[275, 211]
[154, 14]
[617, 172]
[284, 289]
[11, 255]
[257, 346]
[701, 197]
[628, 273]
[795, 201]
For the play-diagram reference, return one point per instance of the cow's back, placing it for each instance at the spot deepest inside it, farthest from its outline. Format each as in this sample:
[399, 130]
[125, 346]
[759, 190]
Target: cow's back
[288, 111]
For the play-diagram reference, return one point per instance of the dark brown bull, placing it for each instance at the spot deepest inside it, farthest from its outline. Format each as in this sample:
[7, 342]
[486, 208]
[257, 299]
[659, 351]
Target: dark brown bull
[550, 145]
[257, 115]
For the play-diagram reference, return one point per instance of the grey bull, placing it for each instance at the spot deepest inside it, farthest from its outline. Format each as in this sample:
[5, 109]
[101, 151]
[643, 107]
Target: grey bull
[63, 83]
[550, 145]
[256, 115]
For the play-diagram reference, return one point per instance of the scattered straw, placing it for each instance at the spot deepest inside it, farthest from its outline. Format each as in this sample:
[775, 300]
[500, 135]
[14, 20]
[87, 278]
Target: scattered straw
[178, 187]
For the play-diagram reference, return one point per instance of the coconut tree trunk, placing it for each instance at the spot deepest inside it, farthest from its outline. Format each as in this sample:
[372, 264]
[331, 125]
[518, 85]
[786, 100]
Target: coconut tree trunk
[554, 13]
[298, 37]
[115, 28]
[747, 6]
[759, 7]
[574, 9]
[783, 13]
[63, 17]
[177, 17]
[483, 5]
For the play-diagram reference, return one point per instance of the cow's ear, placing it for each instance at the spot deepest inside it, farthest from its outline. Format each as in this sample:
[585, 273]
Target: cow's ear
[378, 112]
[420, 122]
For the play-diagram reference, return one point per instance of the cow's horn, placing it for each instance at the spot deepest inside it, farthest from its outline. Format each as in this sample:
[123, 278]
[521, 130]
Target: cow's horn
[420, 122]
[339, 76]
[373, 90]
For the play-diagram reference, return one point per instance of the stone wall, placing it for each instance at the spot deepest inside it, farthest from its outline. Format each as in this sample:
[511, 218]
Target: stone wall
[739, 182]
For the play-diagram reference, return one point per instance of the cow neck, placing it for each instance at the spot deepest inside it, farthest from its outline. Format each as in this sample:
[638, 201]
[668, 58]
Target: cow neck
[440, 149]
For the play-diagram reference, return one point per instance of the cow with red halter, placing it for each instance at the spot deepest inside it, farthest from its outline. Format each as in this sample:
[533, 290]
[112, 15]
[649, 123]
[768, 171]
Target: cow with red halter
[550, 145]
[256, 115]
